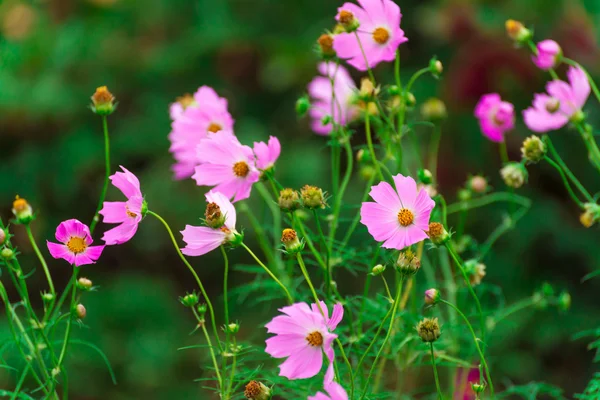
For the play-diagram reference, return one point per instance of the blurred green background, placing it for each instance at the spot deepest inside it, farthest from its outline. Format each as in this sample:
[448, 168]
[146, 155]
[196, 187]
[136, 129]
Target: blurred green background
[258, 54]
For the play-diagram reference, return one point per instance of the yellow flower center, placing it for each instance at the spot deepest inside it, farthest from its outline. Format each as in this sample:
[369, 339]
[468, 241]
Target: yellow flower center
[186, 100]
[346, 17]
[214, 127]
[76, 245]
[241, 169]
[405, 217]
[20, 204]
[381, 35]
[315, 339]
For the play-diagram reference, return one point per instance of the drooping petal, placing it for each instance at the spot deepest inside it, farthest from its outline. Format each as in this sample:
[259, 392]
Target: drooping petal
[126, 182]
[201, 240]
[121, 233]
[114, 212]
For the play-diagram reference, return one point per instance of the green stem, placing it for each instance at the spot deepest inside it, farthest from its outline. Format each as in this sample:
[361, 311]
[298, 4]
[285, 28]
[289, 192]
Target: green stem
[435, 373]
[488, 199]
[521, 305]
[566, 169]
[37, 251]
[72, 307]
[387, 289]
[592, 146]
[309, 282]
[565, 181]
[225, 282]
[233, 365]
[327, 255]
[196, 277]
[268, 271]
[297, 222]
[202, 325]
[106, 174]
[414, 78]
[340, 194]
[434, 150]
[370, 146]
[356, 219]
[260, 233]
[503, 152]
[506, 225]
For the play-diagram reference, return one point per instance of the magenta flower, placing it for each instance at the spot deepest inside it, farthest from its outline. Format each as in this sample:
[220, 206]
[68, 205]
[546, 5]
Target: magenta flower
[267, 153]
[207, 114]
[548, 54]
[334, 390]
[496, 117]
[303, 335]
[227, 165]
[126, 213]
[379, 33]
[76, 239]
[320, 89]
[563, 102]
[203, 239]
[464, 379]
[400, 217]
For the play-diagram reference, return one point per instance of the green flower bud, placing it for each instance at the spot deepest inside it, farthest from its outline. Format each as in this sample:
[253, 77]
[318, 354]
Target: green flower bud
[425, 176]
[103, 102]
[189, 300]
[429, 330]
[378, 270]
[514, 175]
[302, 106]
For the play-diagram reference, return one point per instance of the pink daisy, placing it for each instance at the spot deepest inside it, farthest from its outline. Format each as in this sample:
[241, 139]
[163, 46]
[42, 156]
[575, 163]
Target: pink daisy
[548, 54]
[303, 335]
[379, 33]
[496, 117]
[203, 239]
[267, 153]
[126, 213]
[334, 390]
[320, 89]
[564, 100]
[400, 217]
[207, 114]
[76, 239]
[227, 165]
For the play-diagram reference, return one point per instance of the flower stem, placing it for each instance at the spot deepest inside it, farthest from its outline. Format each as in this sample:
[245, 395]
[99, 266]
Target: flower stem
[340, 194]
[435, 373]
[268, 271]
[202, 325]
[434, 147]
[370, 146]
[106, 174]
[307, 278]
[63, 351]
[565, 181]
[592, 83]
[297, 222]
[503, 152]
[225, 283]
[37, 251]
[327, 255]
[566, 169]
[488, 199]
[592, 146]
[387, 289]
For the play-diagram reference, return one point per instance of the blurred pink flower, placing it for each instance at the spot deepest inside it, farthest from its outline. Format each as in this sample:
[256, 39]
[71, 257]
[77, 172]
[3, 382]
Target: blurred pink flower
[227, 165]
[379, 33]
[323, 94]
[399, 217]
[267, 153]
[76, 239]
[564, 101]
[334, 390]
[303, 335]
[464, 379]
[128, 214]
[496, 117]
[206, 115]
[203, 239]
[548, 54]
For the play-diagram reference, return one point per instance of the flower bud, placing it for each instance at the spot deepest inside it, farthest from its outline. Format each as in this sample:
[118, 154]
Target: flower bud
[232, 328]
[549, 55]
[591, 215]
[408, 263]
[434, 110]
[363, 156]
[477, 387]
[201, 309]
[326, 120]
[367, 172]
[533, 149]
[103, 101]
[475, 271]
[257, 391]
[312, 197]
[289, 200]
[80, 311]
[564, 301]
[189, 300]
[478, 184]
[22, 211]
[290, 241]
[432, 296]
[378, 270]
[3, 236]
[410, 100]
[514, 175]
[302, 106]
[325, 43]
[424, 176]
[368, 91]
[84, 284]
[429, 189]
[348, 20]
[464, 194]
[394, 91]
[213, 217]
[517, 31]
[7, 253]
[436, 67]
[437, 233]
[429, 330]
[47, 297]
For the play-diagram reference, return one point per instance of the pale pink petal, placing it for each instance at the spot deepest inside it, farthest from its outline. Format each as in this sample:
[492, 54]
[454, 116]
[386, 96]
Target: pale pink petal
[302, 364]
[396, 239]
[384, 194]
[121, 233]
[380, 221]
[563, 92]
[336, 391]
[126, 182]
[225, 205]
[201, 240]
[407, 190]
[580, 85]
[114, 212]
[284, 345]
[336, 316]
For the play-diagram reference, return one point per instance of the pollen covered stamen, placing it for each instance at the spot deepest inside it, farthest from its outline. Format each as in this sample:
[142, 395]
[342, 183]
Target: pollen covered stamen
[315, 339]
[381, 35]
[76, 245]
[186, 100]
[241, 169]
[346, 17]
[405, 217]
[214, 127]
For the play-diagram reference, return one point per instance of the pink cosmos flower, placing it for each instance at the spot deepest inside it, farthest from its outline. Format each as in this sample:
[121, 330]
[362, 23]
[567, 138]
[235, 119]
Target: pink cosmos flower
[334, 392]
[379, 33]
[564, 100]
[76, 239]
[227, 165]
[496, 117]
[126, 213]
[343, 107]
[548, 54]
[203, 239]
[303, 335]
[400, 217]
[267, 153]
[206, 115]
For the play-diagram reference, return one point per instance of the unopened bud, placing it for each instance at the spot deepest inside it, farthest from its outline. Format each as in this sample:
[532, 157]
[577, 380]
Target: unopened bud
[3, 236]
[564, 301]
[477, 387]
[410, 99]
[464, 194]
[291, 242]
[408, 263]
[368, 91]
[289, 200]
[103, 101]
[213, 216]
[348, 20]
[233, 328]
[367, 172]
[302, 105]
[189, 300]
[201, 309]
[378, 270]
[312, 197]
[436, 67]
[517, 31]
[533, 149]
[432, 296]
[437, 233]
[424, 176]
[80, 311]
[325, 43]
[363, 156]
[22, 211]
[475, 271]
[591, 214]
[7, 253]
[434, 110]
[84, 283]
[47, 297]
[255, 390]
[429, 330]
[514, 175]
[233, 237]
[478, 184]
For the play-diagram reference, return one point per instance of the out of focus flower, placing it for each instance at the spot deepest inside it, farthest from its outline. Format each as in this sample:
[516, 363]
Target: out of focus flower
[180, 105]
[289, 200]
[548, 55]
[267, 153]
[325, 43]
[80, 311]
[19, 20]
[517, 31]
[514, 175]
[227, 165]
[432, 296]
[464, 379]
[408, 263]
[256, 390]
[533, 149]
[334, 390]
[429, 330]
[335, 101]
[434, 109]
[22, 211]
[76, 244]
[496, 117]
[398, 217]
[475, 271]
[591, 214]
[379, 33]
[563, 102]
[478, 184]
[203, 116]
[126, 213]
[203, 239]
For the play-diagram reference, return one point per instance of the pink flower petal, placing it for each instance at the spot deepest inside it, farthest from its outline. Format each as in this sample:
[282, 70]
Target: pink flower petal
[121, 233]
[60, 251]
[302, 364]
[384, 194]
[126, 182]
[114, 212]
[201, 240]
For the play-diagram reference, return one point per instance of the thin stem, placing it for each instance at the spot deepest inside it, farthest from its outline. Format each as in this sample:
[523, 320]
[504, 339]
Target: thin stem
[196, 277]
[309, 282]
[225, 283]
[414, 78]
[233, 365]
[435, 373]
[387, 289]
[106, 174]
[297, 222]
[63, 351]
[370, 146]
[503, 152]
[434, 150]
[566, 169]
[37, 251]
[260, 233]
[486, 200]
[327, 255]
[592, 146]
[340, 194]
[202, 325]
[565, 181]
[356, 219]
[268, 271]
